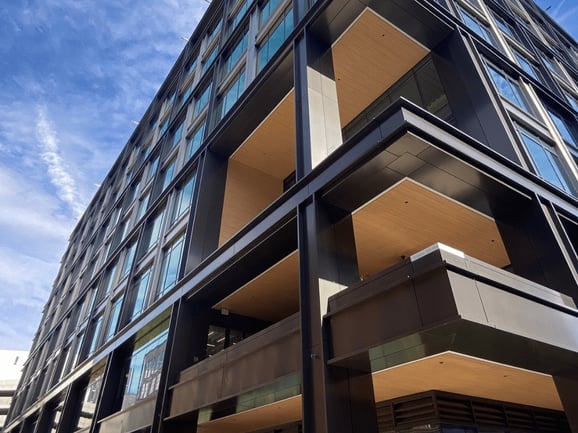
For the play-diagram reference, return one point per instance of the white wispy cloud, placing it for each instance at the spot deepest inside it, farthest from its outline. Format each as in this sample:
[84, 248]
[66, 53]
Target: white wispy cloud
[73, 74]
[57, 169]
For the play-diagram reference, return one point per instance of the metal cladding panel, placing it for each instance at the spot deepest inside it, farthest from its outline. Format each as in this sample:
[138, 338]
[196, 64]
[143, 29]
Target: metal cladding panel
[451, 293]
[256, 361]
[132, 419]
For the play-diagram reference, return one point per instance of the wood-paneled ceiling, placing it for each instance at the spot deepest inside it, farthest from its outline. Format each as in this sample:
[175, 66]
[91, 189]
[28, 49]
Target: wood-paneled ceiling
[270, 415]
[370, 56]
[271, 147]
[272, 295]
[461, 374]
[409, 217]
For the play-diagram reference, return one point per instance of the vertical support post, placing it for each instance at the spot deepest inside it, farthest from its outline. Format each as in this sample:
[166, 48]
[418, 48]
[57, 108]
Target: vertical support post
[70, 411]
[568, 392]
[317, 108]
[187, 343]
[534, 246]
[206, 223]
[335, 399]
[112, 385]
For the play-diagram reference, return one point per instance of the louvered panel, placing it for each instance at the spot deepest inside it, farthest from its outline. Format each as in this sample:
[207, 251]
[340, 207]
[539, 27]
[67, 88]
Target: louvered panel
[385, 421]
[546, 422]
[489, 414]
[519, 418]
[454, 410]
[413, 411]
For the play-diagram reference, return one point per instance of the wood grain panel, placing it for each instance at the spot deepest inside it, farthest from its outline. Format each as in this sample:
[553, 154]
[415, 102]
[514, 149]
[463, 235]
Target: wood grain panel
[463, 374]
[370, 57]
[247, 192]
[268, 416]
[271, 296]
[409, 217]
[271, 147]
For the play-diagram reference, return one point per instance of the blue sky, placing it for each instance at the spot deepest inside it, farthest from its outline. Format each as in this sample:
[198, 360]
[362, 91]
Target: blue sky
[74, 75]
[565, 12]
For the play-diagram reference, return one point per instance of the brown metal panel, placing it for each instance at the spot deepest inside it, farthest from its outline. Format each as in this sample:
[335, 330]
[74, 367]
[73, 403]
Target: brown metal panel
[256, 361]
[134, 418]
[386, 316]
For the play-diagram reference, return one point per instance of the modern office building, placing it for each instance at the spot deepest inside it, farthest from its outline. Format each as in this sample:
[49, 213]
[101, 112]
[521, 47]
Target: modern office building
[335, 216]
[11, 363]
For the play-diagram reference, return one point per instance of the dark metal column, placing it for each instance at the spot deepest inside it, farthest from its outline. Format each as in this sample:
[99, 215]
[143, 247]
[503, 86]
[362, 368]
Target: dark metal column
[474, 109]
[568, 392]
[534, 247]
[206, 224]
[335, 399]
[111, 389]
[70, 411]
[186, 344]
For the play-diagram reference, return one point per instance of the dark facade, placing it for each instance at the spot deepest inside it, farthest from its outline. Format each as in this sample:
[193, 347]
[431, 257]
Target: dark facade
[335, 216]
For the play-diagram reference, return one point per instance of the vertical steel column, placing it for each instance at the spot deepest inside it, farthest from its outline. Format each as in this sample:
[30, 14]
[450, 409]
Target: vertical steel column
[534, 246]
[110, 390]
[568, 392]
[186, 344]
[335, 399]
[206, 224]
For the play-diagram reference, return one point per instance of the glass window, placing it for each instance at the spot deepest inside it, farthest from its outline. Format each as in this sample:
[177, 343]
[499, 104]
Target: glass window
[196, 139]
[266, 9]
[571, 100]
[563, 130]
[504, 26]
[238, 14]
[163, 127]
[545, 160]
[113, 319]
[186, 93]
[554, 66]
[169, 173]
[507, 87]
[177, 135]
[526, 65]
[212, 34]
[108, 282]
[233, 58]
[128, 259]
[152, 232]
[192, 68]
[476, 26]
[152, 167]
[184, 198]
[171, 264]
[140, 292]
[274, 39]
[201, 101]
[210, 58]
[89, 399]
[95, 339]
[142, 205]
[145, 365]
[232, 93]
